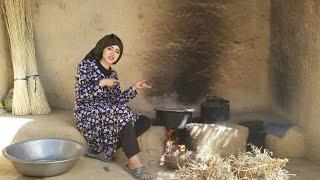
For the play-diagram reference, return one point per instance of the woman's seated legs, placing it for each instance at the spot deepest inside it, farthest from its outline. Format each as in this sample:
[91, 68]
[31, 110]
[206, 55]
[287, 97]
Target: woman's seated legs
[129, 143]
[142, 125]
[128, 140]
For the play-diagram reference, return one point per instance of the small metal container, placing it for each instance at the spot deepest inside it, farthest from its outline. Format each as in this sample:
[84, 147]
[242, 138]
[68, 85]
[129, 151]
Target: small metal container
[44, 157]
[215, 110]
[173, 118]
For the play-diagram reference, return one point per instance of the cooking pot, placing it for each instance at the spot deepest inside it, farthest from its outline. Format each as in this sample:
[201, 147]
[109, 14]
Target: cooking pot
[173, 118]
[215, 110]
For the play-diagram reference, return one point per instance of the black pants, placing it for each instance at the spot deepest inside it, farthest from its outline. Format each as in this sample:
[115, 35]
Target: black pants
[129, 133]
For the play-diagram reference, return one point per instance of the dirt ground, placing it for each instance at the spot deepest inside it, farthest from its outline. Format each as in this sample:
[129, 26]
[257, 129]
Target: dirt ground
[87, 168]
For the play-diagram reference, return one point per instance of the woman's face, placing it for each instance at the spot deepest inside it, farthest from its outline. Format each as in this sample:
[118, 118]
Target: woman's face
[111, 54]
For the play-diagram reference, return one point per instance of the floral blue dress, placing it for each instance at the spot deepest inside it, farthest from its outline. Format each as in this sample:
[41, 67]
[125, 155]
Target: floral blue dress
[101, 112]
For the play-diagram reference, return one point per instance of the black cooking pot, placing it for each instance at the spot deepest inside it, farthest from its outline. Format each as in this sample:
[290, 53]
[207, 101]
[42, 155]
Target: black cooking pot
[214, 110]
[173, 118]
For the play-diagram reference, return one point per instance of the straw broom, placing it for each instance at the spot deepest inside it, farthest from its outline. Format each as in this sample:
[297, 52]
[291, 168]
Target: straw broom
[16, 30]
[38, 99]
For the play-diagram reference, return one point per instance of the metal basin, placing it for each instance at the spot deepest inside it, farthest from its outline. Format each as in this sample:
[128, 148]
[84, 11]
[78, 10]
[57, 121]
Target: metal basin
[44, 157]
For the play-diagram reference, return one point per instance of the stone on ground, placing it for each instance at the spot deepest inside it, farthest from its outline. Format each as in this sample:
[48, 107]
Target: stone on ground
[292, 144]
[215, 138]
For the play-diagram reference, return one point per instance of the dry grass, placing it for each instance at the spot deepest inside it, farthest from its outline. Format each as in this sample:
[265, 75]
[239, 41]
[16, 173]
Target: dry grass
[259, 164]
[214, 167]
[256, 164]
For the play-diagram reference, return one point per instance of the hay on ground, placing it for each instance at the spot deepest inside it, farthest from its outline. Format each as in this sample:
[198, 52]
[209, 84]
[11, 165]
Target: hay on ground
[256, 164]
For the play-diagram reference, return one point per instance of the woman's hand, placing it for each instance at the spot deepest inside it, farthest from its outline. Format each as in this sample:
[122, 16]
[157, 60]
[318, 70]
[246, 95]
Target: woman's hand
[108, 82]
[141, 85]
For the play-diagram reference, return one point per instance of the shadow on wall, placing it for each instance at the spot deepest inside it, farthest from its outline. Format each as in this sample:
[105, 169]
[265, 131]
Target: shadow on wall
[193, 36]
[285, 50]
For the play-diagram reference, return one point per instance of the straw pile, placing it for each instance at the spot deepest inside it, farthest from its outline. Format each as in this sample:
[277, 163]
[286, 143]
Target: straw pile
[15, 23]
[214, 167]
[28, 95]
[246, 166]
[259, 164]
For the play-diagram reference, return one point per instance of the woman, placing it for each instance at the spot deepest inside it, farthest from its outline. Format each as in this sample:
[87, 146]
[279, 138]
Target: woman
[100, 111]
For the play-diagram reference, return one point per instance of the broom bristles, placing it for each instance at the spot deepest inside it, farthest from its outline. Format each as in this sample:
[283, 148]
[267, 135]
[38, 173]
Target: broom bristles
[20, 102]
[16, 30]
[29, 95]
[38, 99]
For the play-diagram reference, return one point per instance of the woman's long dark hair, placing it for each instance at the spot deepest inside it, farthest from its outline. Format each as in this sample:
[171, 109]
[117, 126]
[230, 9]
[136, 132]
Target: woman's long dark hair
[108, 40]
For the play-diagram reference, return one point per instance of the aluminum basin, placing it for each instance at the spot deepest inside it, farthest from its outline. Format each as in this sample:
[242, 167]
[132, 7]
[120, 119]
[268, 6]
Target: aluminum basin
[44, 157]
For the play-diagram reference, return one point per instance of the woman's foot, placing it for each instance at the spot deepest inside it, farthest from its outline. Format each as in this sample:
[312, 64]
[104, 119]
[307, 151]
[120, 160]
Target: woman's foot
[101, 156]
[141, 171]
